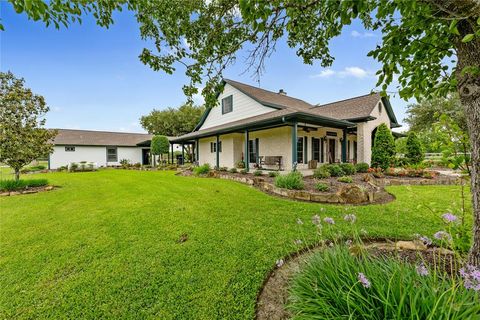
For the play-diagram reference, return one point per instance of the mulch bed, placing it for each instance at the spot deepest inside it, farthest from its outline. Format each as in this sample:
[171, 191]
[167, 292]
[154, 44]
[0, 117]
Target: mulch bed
[30, 190]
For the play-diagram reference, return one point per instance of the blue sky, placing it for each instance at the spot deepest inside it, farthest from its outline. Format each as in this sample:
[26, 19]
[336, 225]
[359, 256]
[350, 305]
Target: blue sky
[91, 77]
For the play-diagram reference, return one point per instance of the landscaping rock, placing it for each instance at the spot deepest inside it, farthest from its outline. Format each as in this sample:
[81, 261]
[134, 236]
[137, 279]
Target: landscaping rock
[4, 194]
[29, 191]
[352, 194]
[14, 193]
[302, 195]
[48, 188]
[410, 245]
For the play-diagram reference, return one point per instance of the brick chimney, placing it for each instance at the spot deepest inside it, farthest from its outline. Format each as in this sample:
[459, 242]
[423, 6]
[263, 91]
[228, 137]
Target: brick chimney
[283, 93]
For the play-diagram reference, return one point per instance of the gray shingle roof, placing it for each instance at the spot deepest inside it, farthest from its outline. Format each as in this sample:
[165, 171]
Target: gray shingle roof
[99, 138]
[353, 108]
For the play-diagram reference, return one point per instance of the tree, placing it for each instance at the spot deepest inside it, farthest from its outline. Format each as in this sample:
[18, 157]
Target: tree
[22, 138]
[159, 146]
[171, 121]
[383, 150]
[414, 154]
[432, 45]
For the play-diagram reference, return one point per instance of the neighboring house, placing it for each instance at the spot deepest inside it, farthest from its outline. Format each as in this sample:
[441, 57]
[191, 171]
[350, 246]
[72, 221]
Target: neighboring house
[100, 147]
[262, 128]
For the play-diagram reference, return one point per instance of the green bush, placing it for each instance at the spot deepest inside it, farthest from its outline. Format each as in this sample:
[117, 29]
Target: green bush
[223, 169]
[273, 174]
[322, 187]
[202, 170]
[336, 284]
[362, 167]
[414, 152]
[257, 173]
[345, 179]
[348, 168]
[321, 172]
[383, 150]
[292, 180]
[243, 171]
[240, 165]
[13, 185]
[335, 170]
[233, 170]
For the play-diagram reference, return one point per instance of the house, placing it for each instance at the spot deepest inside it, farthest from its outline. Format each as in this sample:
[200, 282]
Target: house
[100, 147]
[273, 130]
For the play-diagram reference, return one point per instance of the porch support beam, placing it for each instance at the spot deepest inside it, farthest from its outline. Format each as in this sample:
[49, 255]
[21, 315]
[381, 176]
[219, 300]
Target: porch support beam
[344, 146]
[246, 156]
[217, 152]
[183, 154]
[294, 145]
[197, 152]
[171, 148]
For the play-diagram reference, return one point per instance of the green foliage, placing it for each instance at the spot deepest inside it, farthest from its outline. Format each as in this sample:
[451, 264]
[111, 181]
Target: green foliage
[362, 167]
[401, 145]
[322, 187]
[240, 165]
[328, 288]
[273, 174]
[414, 154]
[258, 173]
[321, 172]
[202, 170]
[172, 122]
[22, 113]
[125, 163]
[15, 185]
[159, 145]
[348, 168]
[345, 179]
[292, 180]
[243, 171]
[335, 170]
[233, 170]
[383, 150]
[223, 169]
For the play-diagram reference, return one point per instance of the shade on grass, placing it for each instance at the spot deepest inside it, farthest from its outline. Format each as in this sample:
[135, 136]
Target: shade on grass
[104, 245]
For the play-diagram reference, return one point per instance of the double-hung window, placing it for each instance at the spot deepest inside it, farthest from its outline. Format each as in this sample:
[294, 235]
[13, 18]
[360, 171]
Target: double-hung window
[213, 146]
[227, 104]
[300, 150]
[112, 155]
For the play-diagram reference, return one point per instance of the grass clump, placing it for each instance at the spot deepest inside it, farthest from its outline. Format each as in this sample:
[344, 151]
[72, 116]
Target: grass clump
[322, 187]
[202, 170]
[321, 172]
[243, 171]
[345, 179]
[362, 167]
[257, 173]
[273, 174]
[348, 168]
[15, 185]
[292, 180]
[233, 170]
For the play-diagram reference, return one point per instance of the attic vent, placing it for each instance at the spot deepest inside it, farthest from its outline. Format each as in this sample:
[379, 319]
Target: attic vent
[283, 93]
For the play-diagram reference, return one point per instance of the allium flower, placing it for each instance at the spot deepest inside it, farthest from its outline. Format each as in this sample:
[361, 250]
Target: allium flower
[298, 242]
[316, 219]
[329, 220]
[350, 218]
[426, 240]
[363, 231]
[471, 277]
[280, 263]
[442, 235]
[363, 280]
[422, 270]
[449, 217]
[348, 243]
[299, 221]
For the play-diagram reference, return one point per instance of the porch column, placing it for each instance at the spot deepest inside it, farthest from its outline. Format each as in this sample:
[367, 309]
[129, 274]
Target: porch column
[171, 148]
[245, 158]
[218, 152]
[294, 145]
[183, 153]
[344, 146]
[364, 143]
[197, 152]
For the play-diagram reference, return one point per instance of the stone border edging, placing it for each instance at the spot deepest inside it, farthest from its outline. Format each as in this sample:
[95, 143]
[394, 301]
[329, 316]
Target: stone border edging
[26, 191]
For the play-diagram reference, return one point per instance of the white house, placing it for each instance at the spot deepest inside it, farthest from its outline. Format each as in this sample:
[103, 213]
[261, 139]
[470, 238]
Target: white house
[267, 129]
[100, 147]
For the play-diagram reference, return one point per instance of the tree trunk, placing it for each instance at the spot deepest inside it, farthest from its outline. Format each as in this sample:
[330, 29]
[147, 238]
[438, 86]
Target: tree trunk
[469, 89]
[17, 174]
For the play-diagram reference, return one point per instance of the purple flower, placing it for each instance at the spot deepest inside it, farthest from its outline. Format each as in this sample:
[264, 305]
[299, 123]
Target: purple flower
[348, 243]
[329, 220]
[442, 235]
[280, 263]
[299, 221]
[471, 277]
[363, 280]
[316, 220]
[350, 218]
[426, 240]
[449, 217]
[422, 270]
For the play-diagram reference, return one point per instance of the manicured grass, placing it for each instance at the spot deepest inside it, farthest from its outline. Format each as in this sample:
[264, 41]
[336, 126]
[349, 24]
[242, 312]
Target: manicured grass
[104, 245]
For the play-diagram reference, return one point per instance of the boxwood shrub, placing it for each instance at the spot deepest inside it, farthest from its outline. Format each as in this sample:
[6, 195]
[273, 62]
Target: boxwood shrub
[321, 172]
[362, 167]
[335, 170]
[348, 168]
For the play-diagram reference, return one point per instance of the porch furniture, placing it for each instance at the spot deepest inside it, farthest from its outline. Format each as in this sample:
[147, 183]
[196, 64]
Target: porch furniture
[271, 161]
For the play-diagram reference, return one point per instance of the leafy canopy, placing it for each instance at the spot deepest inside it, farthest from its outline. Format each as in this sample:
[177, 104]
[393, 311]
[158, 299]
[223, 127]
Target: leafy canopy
[22, 136]
[171, 121]
[159, 145]
[414, 154]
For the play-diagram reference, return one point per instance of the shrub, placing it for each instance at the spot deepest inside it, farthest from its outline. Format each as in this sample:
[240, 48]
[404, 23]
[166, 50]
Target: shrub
[223, 169]
[257, 173]
[14, 185]
[376, 172]
[73, 167]
[321, 172]
[348, 168]
[202, 170]
[125, 163]
[233, 170]
[322, 187]
[38, 167]
[345, 179]
[240, 165]
[383, 149]
[335, 170]
[243, 171]
[273, 174]
[336, 284]
[292, 180]
[362, 167]
[137, 165]
[414, 152]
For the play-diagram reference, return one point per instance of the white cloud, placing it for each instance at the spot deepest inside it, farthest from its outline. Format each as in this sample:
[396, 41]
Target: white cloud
[355, 72]
[365, 34]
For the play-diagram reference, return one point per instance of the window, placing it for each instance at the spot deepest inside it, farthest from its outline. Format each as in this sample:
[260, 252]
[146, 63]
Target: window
[300, 150]
[69, 149]
[213, 147]
[227, 104]
[379, 107]
[316, 149]
[112, 155]
[253, 151]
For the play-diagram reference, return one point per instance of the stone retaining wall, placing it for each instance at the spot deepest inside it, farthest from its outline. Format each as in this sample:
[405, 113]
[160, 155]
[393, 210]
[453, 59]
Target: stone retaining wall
[26, 191]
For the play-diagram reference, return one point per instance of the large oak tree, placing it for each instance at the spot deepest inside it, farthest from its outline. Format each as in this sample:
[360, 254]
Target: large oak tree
[432, 45]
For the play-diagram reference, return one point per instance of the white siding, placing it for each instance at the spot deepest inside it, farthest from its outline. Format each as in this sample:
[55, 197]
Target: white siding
[243, 107]
[96, 154]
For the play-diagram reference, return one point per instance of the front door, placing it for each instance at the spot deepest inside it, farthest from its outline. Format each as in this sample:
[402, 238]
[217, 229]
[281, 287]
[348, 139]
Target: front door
[331, 150]
[145, 156]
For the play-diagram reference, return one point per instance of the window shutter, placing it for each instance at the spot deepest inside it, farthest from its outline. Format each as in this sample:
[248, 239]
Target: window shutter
[305, 150]
[321, 150]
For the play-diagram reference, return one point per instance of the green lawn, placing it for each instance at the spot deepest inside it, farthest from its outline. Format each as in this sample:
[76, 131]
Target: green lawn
[104, 245]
